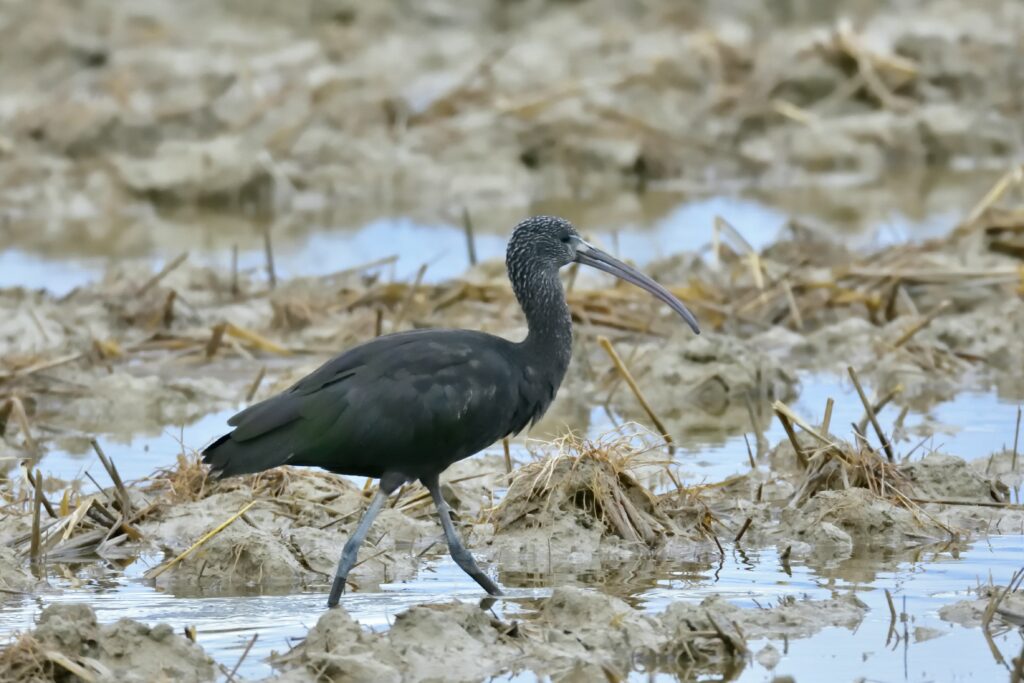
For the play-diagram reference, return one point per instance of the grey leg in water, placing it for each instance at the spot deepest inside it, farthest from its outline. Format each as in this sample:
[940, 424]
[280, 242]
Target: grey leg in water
[462, 557]
[351, 551]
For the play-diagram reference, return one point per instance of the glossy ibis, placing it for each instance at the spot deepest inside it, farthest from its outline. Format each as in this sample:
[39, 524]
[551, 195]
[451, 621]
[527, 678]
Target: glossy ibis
[406, 406]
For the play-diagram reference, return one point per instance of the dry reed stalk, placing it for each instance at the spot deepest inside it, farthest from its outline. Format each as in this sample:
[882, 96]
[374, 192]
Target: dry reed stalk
[96, 674]
[467, 226]
[922, 323]
[1013, 176]
[879, 405]
[163, 272]
[780, 407]
[37, 505]
[18, 410]
[871, 415]
[254, 339]
[37, 483]
[990, 610]
[234, 271]
[115, 476]
[969, 503]
[410, 294]
[606, 344]
[743, 529]
[1016, 440]
[81, 510]
[216, 338]
[750, 453]
[794, 309]
[164, 317]
[793, 112]
[369, 265]
[759, 438]
[245, 653]
[826, 421]
[198, 544]
[255, 385]
[268, 250]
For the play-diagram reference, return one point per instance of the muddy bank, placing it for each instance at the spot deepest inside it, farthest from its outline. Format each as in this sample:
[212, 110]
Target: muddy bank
[68, 644]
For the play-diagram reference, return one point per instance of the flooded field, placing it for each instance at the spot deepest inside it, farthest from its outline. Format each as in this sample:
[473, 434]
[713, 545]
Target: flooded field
[200, 203]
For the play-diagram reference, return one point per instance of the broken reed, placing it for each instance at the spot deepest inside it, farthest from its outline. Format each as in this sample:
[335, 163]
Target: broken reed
[606, 344]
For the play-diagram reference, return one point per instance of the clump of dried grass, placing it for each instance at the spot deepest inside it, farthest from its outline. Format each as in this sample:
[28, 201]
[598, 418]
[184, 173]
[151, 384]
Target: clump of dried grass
[25, 660]
[592, 478]
[188, 480]
[840, 466]
[832, 464]
[185, 481]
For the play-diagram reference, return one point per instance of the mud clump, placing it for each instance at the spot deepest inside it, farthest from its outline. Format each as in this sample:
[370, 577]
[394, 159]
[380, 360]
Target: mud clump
[939, 476]
[68, 641]
[292, 535]
[13, 576]
[971, 613]
[582, 626]
[703, 384]
[864, 516]
[790, 618]
[456, 642]
[239, 556]
[573, 634]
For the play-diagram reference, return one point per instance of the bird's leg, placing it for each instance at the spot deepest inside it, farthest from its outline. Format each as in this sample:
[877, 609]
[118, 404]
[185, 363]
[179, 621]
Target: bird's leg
[462, 557]
[351, 550]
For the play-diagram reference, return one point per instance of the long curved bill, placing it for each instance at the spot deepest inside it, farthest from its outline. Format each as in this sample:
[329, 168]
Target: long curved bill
[589, 255]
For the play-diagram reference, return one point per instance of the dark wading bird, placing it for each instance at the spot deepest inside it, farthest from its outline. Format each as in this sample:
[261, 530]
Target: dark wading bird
[406, 406]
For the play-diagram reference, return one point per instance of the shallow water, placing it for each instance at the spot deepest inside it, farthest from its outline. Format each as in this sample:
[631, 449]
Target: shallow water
[641, 228]
[920, 587]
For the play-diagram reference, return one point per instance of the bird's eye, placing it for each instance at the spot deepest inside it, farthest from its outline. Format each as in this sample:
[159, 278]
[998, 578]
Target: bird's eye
[566, 239]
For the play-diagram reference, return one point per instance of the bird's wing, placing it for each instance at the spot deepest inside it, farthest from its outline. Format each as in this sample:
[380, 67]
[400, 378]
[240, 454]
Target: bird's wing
[285, 407]
[407, 398]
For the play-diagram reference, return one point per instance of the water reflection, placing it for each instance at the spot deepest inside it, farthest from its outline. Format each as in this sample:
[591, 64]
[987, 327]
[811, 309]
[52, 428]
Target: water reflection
[638, 227]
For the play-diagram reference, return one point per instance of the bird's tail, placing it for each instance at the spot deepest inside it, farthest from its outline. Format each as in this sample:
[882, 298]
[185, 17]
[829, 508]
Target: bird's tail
[228, 457]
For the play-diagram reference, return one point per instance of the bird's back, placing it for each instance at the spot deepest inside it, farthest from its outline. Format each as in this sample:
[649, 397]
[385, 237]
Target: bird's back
[412, 403]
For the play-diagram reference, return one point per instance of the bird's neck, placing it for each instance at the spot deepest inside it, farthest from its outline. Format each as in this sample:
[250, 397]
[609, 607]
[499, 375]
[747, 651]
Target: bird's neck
[549, 341]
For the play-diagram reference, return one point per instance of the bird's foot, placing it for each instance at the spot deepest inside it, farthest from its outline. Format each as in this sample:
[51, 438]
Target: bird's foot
[337, 588]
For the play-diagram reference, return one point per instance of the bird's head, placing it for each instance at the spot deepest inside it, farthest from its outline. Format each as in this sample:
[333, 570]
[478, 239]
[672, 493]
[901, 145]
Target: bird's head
[549, 242]
[543, 241]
